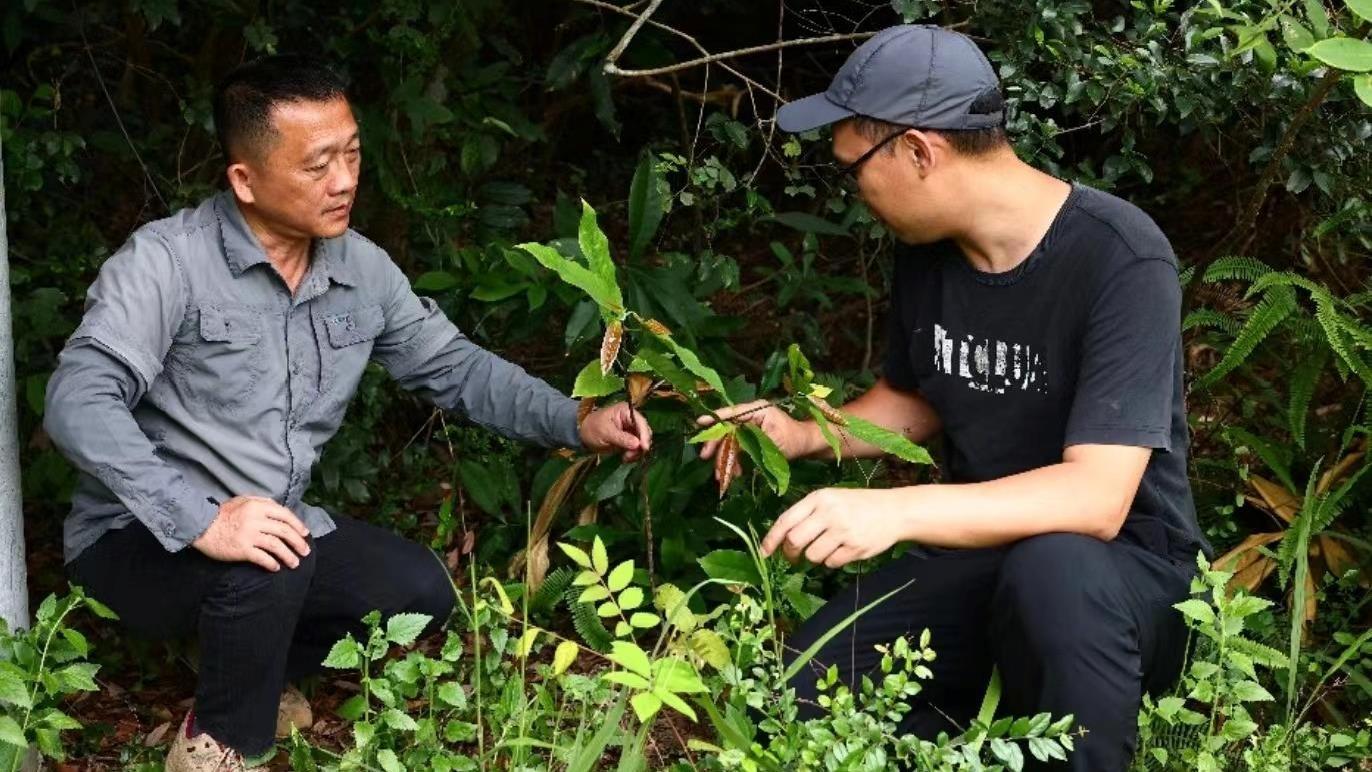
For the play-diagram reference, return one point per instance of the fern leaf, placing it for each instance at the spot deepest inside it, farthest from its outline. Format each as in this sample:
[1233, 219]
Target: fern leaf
[556, 583]
[587, 622]
[1274, 307]
[1210, 317]
[1236, 268]
[1303, 383]
[1334, 333]
[1260, 653]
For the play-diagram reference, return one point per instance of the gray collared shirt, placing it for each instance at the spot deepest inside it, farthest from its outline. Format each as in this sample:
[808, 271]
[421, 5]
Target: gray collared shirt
[196, 375]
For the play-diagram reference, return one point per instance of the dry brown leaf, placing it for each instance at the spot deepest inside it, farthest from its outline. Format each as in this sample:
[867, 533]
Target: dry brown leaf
[1280, 501]
[536, 556]
[157, 734]
[638, 388]
[829, 411]
[1249, 565]
[1337, 472]
[726, 461]
[1339, 559]
[657, 328]
[589, 514]
[609, 346]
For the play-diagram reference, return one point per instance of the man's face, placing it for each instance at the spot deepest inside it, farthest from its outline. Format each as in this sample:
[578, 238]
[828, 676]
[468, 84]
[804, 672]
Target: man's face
[890, 183]
[304, 181]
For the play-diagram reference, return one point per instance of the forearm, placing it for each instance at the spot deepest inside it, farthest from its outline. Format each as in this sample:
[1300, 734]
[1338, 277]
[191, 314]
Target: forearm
[495, 393]
[88, 418]
[1061, 498]
[903, 412]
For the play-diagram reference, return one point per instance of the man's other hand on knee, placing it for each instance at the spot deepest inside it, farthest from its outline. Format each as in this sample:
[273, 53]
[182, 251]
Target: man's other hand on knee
[255, 530]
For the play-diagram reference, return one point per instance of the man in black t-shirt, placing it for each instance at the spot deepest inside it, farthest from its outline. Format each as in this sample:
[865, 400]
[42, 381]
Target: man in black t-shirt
[1035, 326]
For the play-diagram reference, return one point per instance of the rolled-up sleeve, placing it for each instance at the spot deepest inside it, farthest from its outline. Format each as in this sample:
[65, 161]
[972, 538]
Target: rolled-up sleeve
[132, 311]
[425, 353]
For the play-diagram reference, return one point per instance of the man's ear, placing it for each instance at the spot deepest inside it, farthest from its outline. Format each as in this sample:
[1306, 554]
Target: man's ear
[241, 179]
[921, 149]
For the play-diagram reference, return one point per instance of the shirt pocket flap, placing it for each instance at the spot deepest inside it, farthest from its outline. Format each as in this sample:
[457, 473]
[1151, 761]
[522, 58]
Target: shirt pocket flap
[229, 325]
[355, 326]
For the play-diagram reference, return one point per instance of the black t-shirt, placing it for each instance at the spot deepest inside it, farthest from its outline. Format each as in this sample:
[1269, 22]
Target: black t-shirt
[1078, 344]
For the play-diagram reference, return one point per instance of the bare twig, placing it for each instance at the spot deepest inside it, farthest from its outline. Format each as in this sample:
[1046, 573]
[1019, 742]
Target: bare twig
[81, 27]
[694, 43]
[612, 69]
[1241, 236]
[629, 34]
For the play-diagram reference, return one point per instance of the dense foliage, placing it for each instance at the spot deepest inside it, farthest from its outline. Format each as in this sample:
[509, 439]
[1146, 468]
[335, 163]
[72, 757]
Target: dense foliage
[734, 268]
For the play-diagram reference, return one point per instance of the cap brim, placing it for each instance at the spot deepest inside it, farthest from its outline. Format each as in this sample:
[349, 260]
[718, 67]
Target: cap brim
[809, 113]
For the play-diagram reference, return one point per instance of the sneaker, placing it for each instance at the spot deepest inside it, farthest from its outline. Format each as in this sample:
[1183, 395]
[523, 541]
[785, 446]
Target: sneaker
[201, 753]
[293, 712]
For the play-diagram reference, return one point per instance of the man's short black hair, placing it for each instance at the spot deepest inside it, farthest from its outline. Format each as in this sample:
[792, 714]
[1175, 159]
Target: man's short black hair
[243, 100]
[966, 141]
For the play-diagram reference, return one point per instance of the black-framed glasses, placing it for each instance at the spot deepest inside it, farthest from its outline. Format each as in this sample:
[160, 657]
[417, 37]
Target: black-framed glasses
[847, 175]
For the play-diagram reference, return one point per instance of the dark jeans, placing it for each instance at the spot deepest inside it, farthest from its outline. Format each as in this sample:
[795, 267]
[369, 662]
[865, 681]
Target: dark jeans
[1076, 625]
[260, 629]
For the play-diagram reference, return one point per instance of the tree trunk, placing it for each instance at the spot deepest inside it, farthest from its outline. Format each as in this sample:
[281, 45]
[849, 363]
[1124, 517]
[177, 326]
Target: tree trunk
[14, 594]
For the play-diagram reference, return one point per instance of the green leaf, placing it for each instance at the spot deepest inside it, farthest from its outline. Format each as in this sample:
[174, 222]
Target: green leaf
[707, 645]
[1251, 691]
[595, 247]
[607, 609]
[646, 205]
[731, 566]
[595, 592]
[631, 598]
[767, 455]
[714, 432]
[1198, 610]
[388, 761]
[591, 382]
[1319, 18]
[808, 223]
[696, 367]
[630, 657]
[1344, 53]
[621, 576]
[888, 441]
[352, 708]
[13, 690]
[577, 554]
[1362, 8]
[1362, 86]
[395, 719]
[402, 629]
[453, 694]
[10, 732]
[677, 676]
[78, 677]
[1296, 36]
[643, 620]
[646, 705]
[625, 678]
[435, 281]
[675, 703]
[564, 656]
[1236, 729]
[606, 295]
[600, 561]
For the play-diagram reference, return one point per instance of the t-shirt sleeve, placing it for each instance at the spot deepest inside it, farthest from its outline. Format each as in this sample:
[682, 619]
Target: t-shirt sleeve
[897, 369]
[1129, 354]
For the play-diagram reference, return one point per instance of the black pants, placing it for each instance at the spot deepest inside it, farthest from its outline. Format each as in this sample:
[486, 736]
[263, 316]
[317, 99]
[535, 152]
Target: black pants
[1076, 625]
[260, 629]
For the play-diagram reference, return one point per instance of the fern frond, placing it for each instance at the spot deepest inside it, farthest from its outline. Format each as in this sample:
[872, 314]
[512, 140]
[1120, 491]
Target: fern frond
[1334, 333]
[554, 585]
[1333, 503]
[1297, 536]
[1236, 268]
[587, 622]
[1303, 383]
[1275, 306]
[1210, 317]
[1260, 653]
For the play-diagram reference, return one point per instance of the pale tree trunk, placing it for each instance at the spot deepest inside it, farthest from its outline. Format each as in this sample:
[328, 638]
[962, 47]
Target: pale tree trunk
[14, 594]
[14, 588]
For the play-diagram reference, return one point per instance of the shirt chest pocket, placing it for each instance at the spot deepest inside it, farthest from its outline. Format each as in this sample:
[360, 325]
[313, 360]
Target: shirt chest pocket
[220, 363]
[350, 335]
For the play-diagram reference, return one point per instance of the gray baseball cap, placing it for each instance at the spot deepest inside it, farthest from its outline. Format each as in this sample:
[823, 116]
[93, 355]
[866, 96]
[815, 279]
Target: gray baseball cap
[913, 74]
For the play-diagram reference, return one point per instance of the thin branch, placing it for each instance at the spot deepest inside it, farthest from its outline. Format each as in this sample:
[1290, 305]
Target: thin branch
[629, 34]
[81, 26]
[612, 69]
[1241, 234]
[694, 43]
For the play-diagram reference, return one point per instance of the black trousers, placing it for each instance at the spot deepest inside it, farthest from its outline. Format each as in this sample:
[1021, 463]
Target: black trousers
[260, 629]
[1076, 625]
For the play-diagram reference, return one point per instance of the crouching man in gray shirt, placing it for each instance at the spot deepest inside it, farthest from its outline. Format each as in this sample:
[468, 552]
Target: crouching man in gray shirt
[219, 350]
